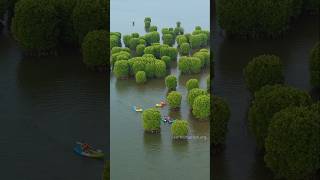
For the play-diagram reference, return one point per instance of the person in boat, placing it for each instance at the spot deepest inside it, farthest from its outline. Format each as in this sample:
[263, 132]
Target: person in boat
[132, 23]
[85, 147]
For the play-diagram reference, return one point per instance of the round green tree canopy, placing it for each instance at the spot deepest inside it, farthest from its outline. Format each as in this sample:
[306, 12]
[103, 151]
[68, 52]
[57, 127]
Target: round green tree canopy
[293, 143]
[174, 99]
[171, 82]
[270, 100]
[151, 119]
[192, 83]
[180, 128]
[195, 92]
[263, 70]
[36, 31]
[141, 77]
[201, 107]
[95, 49]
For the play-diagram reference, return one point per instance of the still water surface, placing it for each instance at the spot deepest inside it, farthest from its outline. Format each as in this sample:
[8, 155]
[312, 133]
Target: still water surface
[134, 154]
[240, 160]
[46, 105]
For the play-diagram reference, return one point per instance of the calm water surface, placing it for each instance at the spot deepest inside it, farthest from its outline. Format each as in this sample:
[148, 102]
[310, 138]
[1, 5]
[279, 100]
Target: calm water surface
[240, 160]
[134, 154]
[46, 104]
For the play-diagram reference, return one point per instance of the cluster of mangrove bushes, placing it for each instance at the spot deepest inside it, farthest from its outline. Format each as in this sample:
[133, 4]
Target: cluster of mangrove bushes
[41, 26]
[260, 18]
[144, 57]
[197, 98]
[284, 120]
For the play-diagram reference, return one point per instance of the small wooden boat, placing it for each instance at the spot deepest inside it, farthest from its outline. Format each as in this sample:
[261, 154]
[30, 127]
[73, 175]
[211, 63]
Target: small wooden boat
[92, 153]
[159, 105]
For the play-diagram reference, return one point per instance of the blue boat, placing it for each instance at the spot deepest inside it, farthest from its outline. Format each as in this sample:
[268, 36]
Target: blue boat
[92, 153]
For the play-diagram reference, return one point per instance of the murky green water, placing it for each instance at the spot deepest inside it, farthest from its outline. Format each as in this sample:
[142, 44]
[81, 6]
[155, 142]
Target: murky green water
[134, 154]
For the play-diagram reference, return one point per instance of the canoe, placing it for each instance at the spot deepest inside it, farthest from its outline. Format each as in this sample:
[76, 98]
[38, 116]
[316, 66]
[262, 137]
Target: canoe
[159, 105]
[93, 153]
[137, 109]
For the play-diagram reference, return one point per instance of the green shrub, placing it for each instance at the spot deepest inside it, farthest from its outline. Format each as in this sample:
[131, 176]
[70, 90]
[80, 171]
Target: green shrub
[199, 40]
[36, 31]
[180, 128]
[122, 55]
[189, 65]
[171, 82]
[174, 99]
[121, 69]
[133, 43]
[153, 28]
[147, 23]
[151, 120]
[192, 83]
[90, 15]
[201, 107]
[168, 39]
[126, 40]
[167, 60]
[140, 49]
[194, 93]
[181, 39]
[270, 100]
[315, 65]
[184, 49]
[115, 41]
[141, 77]
[263, 70]
[150, 69]
[169, 51]
[95, 49]
[293, 143]
[137, 66]
[219, 120]
[135, 35]
[267, 18]
[178, 31]
[160, 69]
[152, 37]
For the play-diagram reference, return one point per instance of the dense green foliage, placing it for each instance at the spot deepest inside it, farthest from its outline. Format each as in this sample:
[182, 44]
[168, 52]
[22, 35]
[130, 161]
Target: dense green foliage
[256, 18]
[168, 39]
[174, 99]
[219, 120]
[180, 128]
[195, 92]
[315, 65]
[141, 77]
[192, 83]
[90, 15]
[263, 70]
[189, 65]
[36, 31]
[151, 120]
[115, 40]
[185, 49]
[95, 48]
[293, 143]
[152, 37]
[121, 69]
[3, 8]
[167, 60]
[171, 82]
[160, 69]
[64, 9]
[270, 100]
[201, 107]
[140, 49]
[169, 51]
[181, 39]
